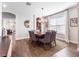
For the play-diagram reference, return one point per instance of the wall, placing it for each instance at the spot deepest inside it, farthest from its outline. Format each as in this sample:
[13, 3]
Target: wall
[73, 30]
[21, 31]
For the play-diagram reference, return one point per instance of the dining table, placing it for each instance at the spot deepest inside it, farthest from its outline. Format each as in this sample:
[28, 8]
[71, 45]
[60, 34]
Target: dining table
[39, 34]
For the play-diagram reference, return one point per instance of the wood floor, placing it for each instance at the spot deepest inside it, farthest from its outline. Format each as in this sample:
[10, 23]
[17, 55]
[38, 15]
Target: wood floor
[24, 48]
[69, 51]
[4, 45]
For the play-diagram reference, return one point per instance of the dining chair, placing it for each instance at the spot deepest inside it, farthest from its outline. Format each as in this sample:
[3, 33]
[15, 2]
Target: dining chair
[46, 39]
[32, 36]
[53, 37]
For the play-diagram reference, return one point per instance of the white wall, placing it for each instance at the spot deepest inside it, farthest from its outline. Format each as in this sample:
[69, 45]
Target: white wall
[21, 31]
[73, 30]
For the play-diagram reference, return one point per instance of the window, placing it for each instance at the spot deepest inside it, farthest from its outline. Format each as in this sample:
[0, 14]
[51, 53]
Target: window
[57, 23]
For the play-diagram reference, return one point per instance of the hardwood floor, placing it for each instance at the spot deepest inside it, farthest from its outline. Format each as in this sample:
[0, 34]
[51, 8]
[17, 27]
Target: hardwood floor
[24, 48]
[4, 45]
[69, 51]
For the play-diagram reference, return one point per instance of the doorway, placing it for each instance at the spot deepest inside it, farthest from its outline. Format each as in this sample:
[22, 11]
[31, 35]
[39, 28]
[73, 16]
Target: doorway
[8, 24]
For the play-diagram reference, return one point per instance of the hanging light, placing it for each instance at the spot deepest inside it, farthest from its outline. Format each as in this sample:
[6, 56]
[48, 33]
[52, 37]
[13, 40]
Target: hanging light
[42, 18]
[42, 11]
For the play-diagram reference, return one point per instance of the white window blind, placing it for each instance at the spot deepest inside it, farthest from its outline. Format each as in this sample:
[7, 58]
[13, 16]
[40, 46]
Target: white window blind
[57, 23]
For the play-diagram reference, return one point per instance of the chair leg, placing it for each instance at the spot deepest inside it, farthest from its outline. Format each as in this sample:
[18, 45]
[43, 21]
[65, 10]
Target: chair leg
[50, 45]
[55, 42]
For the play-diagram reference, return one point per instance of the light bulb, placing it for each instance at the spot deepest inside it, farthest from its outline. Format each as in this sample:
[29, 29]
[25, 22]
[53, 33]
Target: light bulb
[4, 5]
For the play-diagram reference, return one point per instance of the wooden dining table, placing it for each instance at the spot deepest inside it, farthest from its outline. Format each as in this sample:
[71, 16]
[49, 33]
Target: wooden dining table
[39, 34]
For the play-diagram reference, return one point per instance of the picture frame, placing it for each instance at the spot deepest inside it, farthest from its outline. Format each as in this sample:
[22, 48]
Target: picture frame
[74, 22]
[27, 23]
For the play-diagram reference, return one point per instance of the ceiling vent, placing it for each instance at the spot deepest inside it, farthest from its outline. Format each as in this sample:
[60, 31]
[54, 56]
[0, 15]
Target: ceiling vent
[28, 3]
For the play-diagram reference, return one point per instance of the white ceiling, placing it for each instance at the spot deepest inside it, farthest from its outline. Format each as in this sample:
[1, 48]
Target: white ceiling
[35, 8]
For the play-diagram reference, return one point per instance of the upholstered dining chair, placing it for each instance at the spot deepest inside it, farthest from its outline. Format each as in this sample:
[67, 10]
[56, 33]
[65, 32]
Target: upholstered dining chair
[53, 37]
[46, 39]
[32, 36]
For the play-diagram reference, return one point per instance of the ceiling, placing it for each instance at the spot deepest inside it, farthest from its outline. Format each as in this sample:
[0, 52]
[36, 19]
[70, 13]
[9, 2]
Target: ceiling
[35, 7]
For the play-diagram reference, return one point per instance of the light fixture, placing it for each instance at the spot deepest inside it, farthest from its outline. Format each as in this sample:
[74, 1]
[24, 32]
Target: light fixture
[42, 11]
[4, 5]
[43, 20]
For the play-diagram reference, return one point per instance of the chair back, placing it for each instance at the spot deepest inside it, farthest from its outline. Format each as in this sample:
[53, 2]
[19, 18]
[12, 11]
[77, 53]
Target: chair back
[32, 36]
[48, 36]
[53, 36]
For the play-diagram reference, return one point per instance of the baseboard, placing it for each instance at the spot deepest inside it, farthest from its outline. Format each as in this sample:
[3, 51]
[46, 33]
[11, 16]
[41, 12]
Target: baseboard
[21, 38]
[62, 40]
[73, 42]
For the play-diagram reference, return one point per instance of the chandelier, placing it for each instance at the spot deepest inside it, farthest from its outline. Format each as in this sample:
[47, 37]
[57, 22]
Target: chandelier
[42, 19]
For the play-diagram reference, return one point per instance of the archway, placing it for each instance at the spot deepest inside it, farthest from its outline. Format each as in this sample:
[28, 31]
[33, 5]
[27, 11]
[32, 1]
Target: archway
[8, 23]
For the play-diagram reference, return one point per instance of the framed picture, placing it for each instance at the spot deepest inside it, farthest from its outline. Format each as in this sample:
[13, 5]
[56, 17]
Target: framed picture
[27, 23]
[74, 22]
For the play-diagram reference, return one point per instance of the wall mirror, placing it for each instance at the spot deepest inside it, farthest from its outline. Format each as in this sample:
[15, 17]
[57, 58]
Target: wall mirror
[27, 23]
